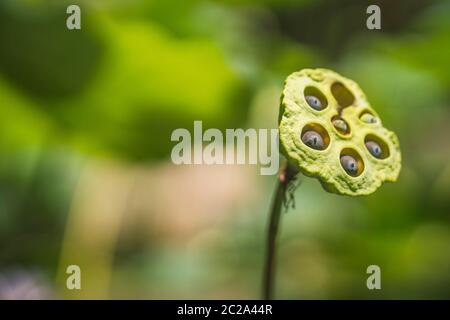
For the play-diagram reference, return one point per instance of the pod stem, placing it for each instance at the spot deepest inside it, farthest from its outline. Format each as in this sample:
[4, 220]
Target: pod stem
[287, 174]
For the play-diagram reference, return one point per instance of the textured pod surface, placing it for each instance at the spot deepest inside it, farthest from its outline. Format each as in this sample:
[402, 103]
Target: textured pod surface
[341, 98]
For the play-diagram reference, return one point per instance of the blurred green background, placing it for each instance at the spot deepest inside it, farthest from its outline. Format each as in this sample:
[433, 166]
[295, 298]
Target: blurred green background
[85, 170]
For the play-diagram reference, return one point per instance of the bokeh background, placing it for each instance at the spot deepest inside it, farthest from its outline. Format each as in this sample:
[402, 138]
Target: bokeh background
[85, 170]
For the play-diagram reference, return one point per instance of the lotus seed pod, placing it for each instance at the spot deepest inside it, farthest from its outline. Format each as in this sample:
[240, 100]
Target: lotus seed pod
[328, 130]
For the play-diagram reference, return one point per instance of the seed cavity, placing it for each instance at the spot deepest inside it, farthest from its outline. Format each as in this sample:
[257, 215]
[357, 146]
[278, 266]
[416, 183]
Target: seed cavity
[315, 137]
[367, 117]
[315, 98]
[313, 140]
[314, 102]
[342, 94]
[376, 146]
[340, 125]
[351, 162]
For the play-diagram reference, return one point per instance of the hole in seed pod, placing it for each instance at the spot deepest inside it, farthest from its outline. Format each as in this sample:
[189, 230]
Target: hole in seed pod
[340, 125]
[342, 95]
[376, 146]
[315, 98]
[367, 117]
[351, 162]
[315, 136]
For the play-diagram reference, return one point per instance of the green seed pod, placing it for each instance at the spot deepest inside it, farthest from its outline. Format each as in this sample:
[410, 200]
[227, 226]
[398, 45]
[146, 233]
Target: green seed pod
[328, 130]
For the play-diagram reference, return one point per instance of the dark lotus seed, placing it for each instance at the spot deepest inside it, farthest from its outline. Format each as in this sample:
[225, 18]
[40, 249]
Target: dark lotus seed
[349, 164]
[374, 148]
[340, 125]
[314, 102]
[313, 140]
